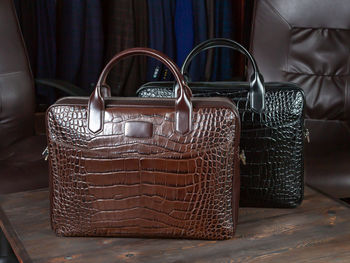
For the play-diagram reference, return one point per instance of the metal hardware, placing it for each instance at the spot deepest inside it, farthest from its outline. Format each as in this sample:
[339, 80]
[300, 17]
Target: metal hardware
[45, 153]
[307, 135]
[243, 158]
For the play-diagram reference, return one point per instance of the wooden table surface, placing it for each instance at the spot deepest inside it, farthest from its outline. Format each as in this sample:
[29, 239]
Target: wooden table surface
[317, 231]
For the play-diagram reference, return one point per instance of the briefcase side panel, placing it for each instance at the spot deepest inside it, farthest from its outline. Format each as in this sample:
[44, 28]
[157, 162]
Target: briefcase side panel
[160, 185]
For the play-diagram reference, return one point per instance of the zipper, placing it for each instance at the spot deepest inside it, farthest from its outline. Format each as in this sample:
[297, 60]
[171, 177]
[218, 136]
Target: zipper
[243, 158]
[45, 153]
[307, 135]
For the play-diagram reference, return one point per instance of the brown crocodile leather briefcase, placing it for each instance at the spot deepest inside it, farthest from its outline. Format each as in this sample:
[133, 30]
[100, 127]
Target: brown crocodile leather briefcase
[136, 167]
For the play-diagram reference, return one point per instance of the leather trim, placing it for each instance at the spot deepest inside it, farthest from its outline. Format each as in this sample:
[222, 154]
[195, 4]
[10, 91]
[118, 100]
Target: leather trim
[221, 86]
[132, 102]
[95, 111]
[138, 129]
[257, 90]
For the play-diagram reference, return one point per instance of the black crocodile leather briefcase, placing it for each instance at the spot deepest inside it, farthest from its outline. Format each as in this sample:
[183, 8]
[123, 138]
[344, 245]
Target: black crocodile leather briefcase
[272, 116]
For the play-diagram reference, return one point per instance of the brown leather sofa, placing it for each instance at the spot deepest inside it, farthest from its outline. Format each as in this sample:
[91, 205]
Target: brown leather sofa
[22, 166]
[307, 42]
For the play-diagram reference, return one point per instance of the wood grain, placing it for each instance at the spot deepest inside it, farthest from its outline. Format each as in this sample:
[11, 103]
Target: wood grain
[317, 231]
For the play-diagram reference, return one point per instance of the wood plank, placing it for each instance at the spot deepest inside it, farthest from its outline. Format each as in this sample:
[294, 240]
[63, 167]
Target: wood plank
[317, 231]
[12, 238]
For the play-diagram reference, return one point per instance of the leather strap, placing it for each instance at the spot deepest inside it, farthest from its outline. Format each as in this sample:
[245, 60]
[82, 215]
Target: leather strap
[183, 105]
[257, 89]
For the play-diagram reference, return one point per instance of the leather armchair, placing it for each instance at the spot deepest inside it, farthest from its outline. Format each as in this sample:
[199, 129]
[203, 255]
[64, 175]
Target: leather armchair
[307, 42]
[21, 164]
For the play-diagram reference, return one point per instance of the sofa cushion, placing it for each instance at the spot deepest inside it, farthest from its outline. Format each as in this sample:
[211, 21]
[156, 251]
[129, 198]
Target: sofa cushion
[327, 157]
[22, 166]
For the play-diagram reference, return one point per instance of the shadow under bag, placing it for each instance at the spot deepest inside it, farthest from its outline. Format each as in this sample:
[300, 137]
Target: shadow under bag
[144, 167]
[272, 137]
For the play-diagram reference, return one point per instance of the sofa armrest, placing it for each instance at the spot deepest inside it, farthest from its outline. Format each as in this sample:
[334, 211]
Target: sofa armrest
[68, 88]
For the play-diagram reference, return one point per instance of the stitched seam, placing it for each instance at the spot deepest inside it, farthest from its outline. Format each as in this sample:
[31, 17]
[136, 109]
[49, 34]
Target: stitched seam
[1, 101]
[287, 55]
[320, 28]
[11, 73]
[279, 14]
[346, 99]
[346, 92]
[318, 75]
[252, 34]
[7, 74]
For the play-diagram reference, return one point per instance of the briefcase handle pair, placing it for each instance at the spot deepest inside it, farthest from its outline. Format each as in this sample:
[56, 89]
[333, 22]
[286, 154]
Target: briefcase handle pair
[183, 105]
[257, 89]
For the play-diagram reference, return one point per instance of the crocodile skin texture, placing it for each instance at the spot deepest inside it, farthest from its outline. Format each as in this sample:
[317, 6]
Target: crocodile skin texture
[273, 143]
[169, 185]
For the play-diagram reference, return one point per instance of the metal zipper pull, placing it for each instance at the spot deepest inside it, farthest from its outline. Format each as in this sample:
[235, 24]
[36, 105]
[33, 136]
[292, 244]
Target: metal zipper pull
[45, 153]
[243, 158]
[307, 135]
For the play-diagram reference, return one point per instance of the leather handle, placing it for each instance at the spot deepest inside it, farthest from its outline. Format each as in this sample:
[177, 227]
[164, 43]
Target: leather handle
[183, 105]
[257, 89]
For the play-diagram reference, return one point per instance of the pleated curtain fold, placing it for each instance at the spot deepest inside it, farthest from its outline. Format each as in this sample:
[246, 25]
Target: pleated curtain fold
[73, 40]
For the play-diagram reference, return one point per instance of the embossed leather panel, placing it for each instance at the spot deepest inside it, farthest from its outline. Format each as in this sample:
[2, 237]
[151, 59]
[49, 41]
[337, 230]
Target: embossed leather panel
[273, 141]
[169, 185]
